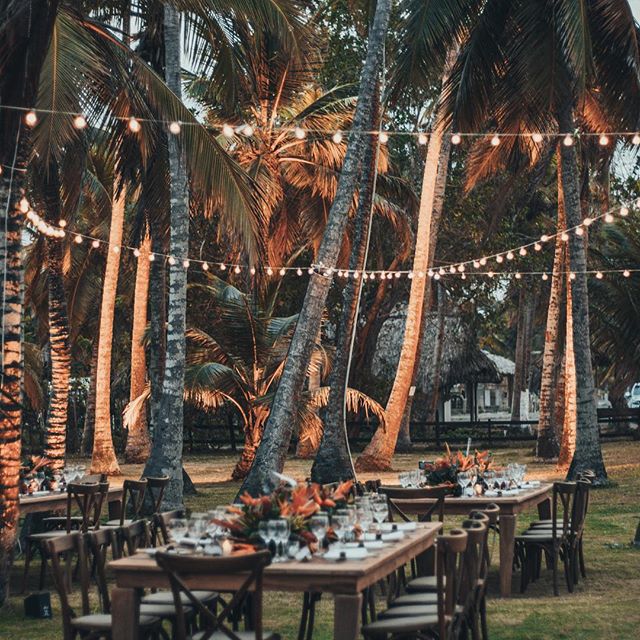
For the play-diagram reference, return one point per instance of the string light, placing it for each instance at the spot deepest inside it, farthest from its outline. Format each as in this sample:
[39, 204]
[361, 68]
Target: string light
[228, 131]
[78, 239]
[247, 130]
[337, 137]
[568, 141]
[436, 276]
[518, 276]
[537, 246]
[185, 264]
[252, 271]
[624, 212]
[31, 119]
[95, 244]
[510, 255]
[310, 271]
[23, 205]
[171, 260]
[134, 125]
[564, 236]
[603, 140]
[587, 222]
[572, 276]
[456, 138]
[115, 248]
[495, 141]
[152, 257]
[269, 271]
[299, 133]
[608, 217]
[499, 259]
[80, 122]
[599, 275]
[282, 271]
[537, 138]
[175, 128]
[626, 273]
[636, 139]
[236, 269]
[299, 271]
[545, 276]
[223, 266]
[423, 138]
[476, 264]
[544, 237]
[523, 251]
[383, 137]
[62, 223]
[579, 231]
[205, 266]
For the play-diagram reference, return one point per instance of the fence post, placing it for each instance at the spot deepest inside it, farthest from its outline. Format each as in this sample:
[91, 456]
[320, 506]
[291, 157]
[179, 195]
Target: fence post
[489, 430]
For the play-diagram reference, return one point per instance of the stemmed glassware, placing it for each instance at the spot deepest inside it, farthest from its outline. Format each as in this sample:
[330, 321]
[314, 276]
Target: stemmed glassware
[380, 509]
[282, 538]
[177, 529]
[318, 526]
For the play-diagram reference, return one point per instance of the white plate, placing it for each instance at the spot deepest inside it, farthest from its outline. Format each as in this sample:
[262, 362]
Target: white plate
[358, 553]
[150, 551]
[388, 527]
[38, 494]
[393, 536]
[407, 526]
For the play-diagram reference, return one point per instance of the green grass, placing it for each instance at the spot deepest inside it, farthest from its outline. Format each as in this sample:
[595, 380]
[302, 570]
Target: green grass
[603, 606]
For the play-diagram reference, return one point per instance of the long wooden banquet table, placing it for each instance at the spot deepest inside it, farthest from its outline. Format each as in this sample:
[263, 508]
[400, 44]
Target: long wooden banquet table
[57, 501]
[345, 580]
[510, 507]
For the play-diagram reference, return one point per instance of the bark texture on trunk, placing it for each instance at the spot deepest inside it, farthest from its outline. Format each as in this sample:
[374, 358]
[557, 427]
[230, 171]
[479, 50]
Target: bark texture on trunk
[378, 453]
[166, 452]
[588, 453]
[333, 461]
[277, 435]
[547, 445]
[138, 443]
[157, 333]
[103, 459]
[56, 430]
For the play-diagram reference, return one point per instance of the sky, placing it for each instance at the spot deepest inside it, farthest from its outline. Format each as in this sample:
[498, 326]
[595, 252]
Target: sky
[635, 5]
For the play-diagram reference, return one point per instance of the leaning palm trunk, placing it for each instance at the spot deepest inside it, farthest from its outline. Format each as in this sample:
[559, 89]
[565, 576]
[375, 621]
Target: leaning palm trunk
[103, 459]
[277, 435]
[547, 445]
[588, 454]
[138, 443]
[519, 368]
[252, 435]
[333, 461]
[378, 453]
[166, 452]
[56, 430]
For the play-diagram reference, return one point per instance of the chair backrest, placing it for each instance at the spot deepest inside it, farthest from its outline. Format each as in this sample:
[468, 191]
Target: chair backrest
[422, 502]
[160, 526]
[133, 492]
[180, 568]
[561, 509]
[98, 543]
[88, 497]
[485, 561]
[475, 572]
[71, 548]
[451, 548]
[134, 536]
[580, 506]
[155, 491]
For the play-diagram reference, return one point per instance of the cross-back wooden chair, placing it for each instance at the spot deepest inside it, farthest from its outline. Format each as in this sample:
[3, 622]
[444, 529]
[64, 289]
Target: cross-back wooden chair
[160, 526]
[87, 498]
[441, 615]
[156, 486]
[133, 493]
[133, 536]
[425, 502]
[553, 542]
[180, 569]
[88, 625]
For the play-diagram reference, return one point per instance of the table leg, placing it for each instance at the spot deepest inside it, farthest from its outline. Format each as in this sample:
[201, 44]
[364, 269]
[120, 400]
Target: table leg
[346, 616]
[125, 611]
[544, 509]
[507, 540]
[114, 508]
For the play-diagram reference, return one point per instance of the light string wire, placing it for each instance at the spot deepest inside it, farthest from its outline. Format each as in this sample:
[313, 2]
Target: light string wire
[461, 269]
[247, 129]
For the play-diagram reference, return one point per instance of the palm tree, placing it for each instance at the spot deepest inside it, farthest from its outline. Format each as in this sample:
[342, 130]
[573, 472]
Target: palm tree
[277, 434]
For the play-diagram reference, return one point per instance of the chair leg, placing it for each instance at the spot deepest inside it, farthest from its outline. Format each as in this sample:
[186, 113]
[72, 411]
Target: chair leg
[43, 566]
[568, 570]
[315, 597]
[483, 619]
[583, 570]
[27, 561]
[554, 569]
[304, 617]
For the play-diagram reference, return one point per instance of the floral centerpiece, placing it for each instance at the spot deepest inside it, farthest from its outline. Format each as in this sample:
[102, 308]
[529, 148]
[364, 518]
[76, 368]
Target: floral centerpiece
[29, 470]
[445, 469]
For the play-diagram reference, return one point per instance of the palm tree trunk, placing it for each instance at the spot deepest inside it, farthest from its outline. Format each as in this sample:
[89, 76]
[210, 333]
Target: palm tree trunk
[277, 435]
[166, 452]
[547, 445]
[519, 369]
[56, 430]
[378, 453]
[138, 443]
[157, 333]
[588, 453]
[333, 460]
[103, 458]
[86, 446]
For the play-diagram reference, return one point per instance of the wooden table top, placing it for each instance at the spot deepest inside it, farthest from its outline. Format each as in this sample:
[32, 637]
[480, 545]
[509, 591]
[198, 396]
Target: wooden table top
[350, 576]
[53, 500]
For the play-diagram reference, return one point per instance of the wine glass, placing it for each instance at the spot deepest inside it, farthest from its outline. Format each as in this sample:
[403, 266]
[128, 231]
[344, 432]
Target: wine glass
[177, 529]
[318, 525]
[282, 536]
[380, 509]
[340, 524]
[364, 515]
[197, 526]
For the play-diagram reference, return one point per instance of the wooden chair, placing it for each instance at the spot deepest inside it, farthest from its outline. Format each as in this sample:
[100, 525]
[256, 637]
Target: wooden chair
[132, 537]
[160, 526]
[155, 491]
[422, 621]
[87, 625]
[133, 492]
[553, 542]
[215, 625]
[88, 498]
[422, 502]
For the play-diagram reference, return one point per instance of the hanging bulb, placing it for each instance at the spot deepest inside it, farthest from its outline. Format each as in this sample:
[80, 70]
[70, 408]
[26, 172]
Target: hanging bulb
[364, 275]
[608, 217]
[282, 271]
[483, 261]
[247, 130]
[490, 274]
[310, 271]
[499, 259]
[223, 266]
[461, 268]
[372, 275]
[95, 244]
[410, 275]
[626, 273]
[31, 119]
[572, 276]
[441, 271]
[228, 131]
[544, 238]
[397, 274]
[115, 248]
[80, 122]
[568, 140]
[337, 137]
[299, 133]
[523, 251]
[236, 269]
[436, 276]
[456, 138]
[252, 271]
[383, 136]
[430, 273]
[599, 275]
[495, 141]
[136, 253]
[564, 236]
[78, 239]
[420, 274]
[603, 140]
[476, 264]
[537, 246]
[205, 266]
[518, 276]
[299, 271]
[537, 137]
[636, 139]
[464, 276]
[356, 275]
[134, 125]
[587, 222]
[452, 269]
[545, 276]
[269, 271]
[186, 264]
[423, 138]
[62, 223]
[171, 260]
[579, 231]
[624, 212]
[152, 257]
[175, 128]
[510, 255]
[23, 205]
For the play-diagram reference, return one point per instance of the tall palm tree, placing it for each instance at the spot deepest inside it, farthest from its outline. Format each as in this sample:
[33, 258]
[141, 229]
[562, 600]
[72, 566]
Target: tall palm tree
[277, 434]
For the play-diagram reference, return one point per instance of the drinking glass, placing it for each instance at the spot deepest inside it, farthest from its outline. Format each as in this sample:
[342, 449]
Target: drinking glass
[365, 517]
[197, 526]
[318, 525]
[340, 524]
[282, 537]
[177, 529]
[263, 532]
[380, 509]
[404, 479]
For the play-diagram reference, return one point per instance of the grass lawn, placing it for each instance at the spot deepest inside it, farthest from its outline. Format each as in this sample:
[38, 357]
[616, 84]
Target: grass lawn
[606, 605]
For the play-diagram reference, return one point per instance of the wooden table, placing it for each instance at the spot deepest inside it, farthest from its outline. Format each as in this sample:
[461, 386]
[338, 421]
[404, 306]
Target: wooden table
[345, 580]
[57, 501]
[510, 507]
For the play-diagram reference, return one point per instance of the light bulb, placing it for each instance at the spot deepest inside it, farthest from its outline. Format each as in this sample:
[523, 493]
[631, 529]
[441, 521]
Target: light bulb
[364, 275]
[247, 130]
[464, 276]
[223, 266]
[340, 273]
[510, 255]
[603, 140]
[134, 125]
[499, 259]
[80, 122]
[152, 257]
[282, 271]
[608, 217]
[205, 266]
[568, 140]
[78, 239]
[483, 261]
[523, 251]
[62, 223]
[624, 211]
[490, 274]
[599, 275]
[23, 205]
[436, 276]
[420, 274]
[461, 268]
[422, 138]
[372, 276]
[564, 236]
[310, 271]
[441, 271]
[537, 137]
[544, 237]
[410, 275]
[579, 231]
[185, 264]
[175, 128]
[136, 253]
[572, 276]
[299, 133]
[635, 139]
[476, 264]
[228, 131]
[587, 222]
[269, 271]
[495, 141]
[236, 269]
[95, 244]
[397, 274]
[518, 276]
[430, 273]
[171, 260]
[456, 138]
[252, 271]
[337, 137]
[115, 248]
[626, 273]
[383, 136]
[545, 276]
[537, 246]
[356, 275]
[299, 271]
[31, 119]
